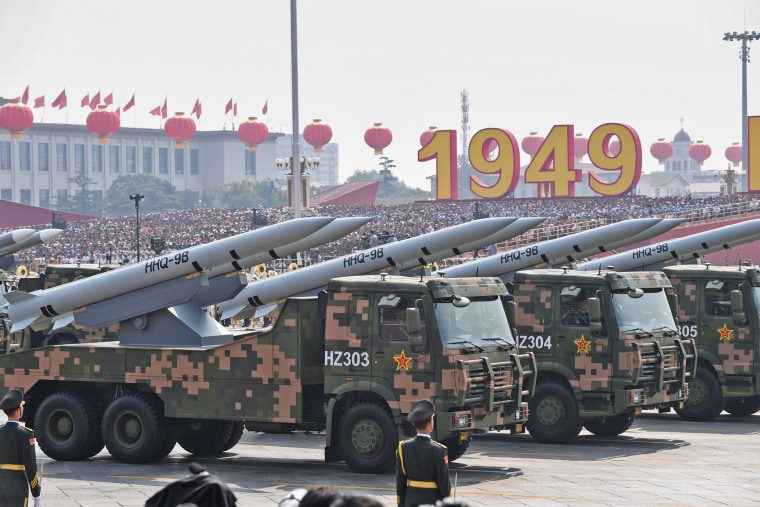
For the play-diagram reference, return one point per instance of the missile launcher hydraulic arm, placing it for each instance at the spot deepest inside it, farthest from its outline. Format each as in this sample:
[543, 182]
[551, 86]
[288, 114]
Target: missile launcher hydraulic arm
[606, 345]
[349, 362]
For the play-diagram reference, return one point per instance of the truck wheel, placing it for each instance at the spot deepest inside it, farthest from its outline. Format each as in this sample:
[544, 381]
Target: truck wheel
[205, 437]
[456, 447]
[553, 413]
[134, 429]
[368, 439]
[610, 426]
[67, 427]
[743, 406]
[238, 427]
[705, 400]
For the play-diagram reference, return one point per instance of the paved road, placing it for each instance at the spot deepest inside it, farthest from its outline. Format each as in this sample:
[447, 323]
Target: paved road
[661, 461]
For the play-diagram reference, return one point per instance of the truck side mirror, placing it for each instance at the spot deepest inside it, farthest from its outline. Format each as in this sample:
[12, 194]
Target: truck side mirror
[594, 315]
[413, 327]
[737, 306]
[511, 308]
[673, 303]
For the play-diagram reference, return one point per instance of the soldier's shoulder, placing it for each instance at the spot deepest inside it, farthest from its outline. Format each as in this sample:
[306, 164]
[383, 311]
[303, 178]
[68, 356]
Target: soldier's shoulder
[441, 445]
[30, 430]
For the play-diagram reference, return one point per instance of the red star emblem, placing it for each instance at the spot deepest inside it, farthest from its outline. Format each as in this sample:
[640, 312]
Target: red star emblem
[582, 345]
[402, 361]
[725, 333]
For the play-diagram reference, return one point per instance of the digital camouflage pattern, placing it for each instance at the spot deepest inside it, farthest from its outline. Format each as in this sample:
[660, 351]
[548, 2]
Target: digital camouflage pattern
[323, 357]
[609, 372]
[727, 341]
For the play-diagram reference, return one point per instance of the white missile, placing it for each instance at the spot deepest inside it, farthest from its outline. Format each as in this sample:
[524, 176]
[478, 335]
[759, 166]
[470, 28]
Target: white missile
[516, 228]
[678, 249]
[400, 255]
[13, 237]
[34, 239]
[44, 305]
[658, 228]
[551, 252]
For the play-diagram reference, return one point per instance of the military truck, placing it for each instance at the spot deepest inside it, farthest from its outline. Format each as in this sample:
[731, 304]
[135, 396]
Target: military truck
[718, 307]
[606, 345]
[350, 362]
[53, 275]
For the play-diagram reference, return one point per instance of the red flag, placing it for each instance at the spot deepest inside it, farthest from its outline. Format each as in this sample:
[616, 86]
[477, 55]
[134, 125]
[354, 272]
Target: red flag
[129, 105]
[234, 109]
[108, 100]
[25, 96]
[60, 101]
[228, 107]
[118, 112]
[39, 102]
[265, 108]
[164, 111]
[156, 111]
[95, 100]
[197, 109]
[86, 100]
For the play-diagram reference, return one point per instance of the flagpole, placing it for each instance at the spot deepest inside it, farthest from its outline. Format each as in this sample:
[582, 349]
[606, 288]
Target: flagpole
[296, 160]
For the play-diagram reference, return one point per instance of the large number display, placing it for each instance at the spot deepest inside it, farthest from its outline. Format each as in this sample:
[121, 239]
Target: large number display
[496, 152]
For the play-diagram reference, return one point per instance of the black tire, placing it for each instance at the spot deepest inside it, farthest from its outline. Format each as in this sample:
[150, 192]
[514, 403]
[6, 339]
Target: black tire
[368, 438]
[67, 427]
[743, 406]
[205, 437]
[170, 440]
[238, 428]
[553, 413]
[705, 400]
[134, 429]
[456, 448]
[610, 426]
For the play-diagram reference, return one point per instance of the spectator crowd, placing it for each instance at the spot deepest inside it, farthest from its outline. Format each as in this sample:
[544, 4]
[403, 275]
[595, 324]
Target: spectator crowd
[101, 239]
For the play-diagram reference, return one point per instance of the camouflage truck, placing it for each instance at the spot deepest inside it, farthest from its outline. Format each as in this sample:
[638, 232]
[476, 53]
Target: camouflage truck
[606, 345]
[351, 362]
[53, 275]
[718, 307]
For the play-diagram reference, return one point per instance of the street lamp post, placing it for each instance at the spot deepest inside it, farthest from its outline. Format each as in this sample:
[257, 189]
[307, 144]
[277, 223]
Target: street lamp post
[301, 171]
[744, 56]
[137, 198]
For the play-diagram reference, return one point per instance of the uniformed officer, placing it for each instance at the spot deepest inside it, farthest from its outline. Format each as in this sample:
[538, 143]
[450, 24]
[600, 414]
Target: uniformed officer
[18, 461]
[422, 464]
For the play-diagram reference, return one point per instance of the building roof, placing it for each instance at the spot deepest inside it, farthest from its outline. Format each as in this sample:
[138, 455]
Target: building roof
[681, 137]
[358, 192]
[13, 214]
[662, 178]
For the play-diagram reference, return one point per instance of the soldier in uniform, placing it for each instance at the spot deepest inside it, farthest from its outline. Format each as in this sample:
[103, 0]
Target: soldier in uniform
[422, 464]
[18, 461]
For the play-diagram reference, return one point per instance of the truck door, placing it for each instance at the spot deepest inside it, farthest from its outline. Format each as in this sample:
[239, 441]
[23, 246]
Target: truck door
[718, 325]
[590, 356]
[407, 369]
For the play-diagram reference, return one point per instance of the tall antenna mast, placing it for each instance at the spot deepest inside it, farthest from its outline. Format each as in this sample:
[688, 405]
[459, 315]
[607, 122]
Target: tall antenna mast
[465, 121]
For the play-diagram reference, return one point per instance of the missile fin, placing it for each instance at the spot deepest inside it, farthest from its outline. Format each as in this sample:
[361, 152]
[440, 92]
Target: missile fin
[18, 295]
[63, 321]
[228, 314]
[23, 324]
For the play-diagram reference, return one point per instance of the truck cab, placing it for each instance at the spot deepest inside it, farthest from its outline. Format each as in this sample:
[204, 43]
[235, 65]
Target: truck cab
[606, 345]
[718, 308]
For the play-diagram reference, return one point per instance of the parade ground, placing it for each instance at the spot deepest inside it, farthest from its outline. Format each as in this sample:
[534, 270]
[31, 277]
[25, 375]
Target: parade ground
[661, 461]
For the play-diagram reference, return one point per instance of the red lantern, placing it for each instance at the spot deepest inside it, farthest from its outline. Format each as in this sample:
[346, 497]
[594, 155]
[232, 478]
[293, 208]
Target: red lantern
[180, 128]
[661, 150]
[103, 123]
[700, 152]
[532, 143]
[16, 117]
[378, 137]
[253, 133]
[734, 154]
[427, 136]
[580, 146]
[317, 134]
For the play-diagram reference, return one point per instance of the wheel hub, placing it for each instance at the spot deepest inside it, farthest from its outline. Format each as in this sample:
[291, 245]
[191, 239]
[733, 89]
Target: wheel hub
[549, 412]
[366, 437]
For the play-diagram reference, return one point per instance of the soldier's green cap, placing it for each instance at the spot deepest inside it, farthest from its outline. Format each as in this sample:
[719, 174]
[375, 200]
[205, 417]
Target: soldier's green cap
[421, 412]
[12, 400]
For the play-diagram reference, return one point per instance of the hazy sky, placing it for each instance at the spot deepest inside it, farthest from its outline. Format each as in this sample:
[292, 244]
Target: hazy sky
[527, 65]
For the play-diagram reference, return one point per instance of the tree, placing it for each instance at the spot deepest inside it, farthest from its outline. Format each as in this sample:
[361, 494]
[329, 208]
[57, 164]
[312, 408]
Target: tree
[392, 190]
[84, 200]
[160, 195]
[245, 194]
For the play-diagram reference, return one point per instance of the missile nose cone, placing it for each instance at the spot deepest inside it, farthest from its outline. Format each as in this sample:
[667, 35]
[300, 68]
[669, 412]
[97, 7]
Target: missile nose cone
[48, 234]
[21, 234]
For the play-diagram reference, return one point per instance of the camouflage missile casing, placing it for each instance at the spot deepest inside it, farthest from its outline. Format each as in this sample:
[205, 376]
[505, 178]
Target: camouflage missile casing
[705, 313]
[602, 367]
[484, 388]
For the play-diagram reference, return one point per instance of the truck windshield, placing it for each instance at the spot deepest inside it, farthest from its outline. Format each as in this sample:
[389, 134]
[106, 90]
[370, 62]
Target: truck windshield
[483, 323]
[645, 314]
